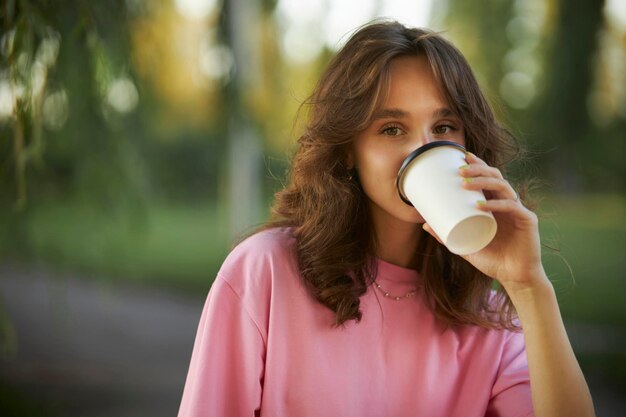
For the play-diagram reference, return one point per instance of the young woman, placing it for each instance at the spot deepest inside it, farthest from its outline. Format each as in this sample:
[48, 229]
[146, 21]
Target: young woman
[346, 304]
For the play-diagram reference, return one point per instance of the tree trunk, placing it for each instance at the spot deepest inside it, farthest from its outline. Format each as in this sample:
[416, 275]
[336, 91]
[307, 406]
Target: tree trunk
[239, 22]
[563, 121]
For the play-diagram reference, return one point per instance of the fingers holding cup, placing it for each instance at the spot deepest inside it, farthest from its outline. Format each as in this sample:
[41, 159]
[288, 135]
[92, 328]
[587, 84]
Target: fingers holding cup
[494, 188]
[478, 175]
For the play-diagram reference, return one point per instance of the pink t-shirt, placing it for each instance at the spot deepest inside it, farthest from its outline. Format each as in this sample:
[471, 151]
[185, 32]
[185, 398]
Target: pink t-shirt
[266, 347]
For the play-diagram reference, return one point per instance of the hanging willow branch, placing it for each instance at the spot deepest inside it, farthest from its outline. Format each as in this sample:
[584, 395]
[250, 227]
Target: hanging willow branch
[20, 156]
[28, 50]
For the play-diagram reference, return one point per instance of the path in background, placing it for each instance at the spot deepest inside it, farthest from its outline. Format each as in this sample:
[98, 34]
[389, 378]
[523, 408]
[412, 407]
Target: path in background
[92, 349]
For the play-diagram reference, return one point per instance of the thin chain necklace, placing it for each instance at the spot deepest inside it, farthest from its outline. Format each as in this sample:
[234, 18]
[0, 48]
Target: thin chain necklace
[395, 297]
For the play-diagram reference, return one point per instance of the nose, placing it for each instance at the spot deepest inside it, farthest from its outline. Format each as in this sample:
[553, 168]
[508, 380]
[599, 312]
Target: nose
[427, 138]
[421, 138]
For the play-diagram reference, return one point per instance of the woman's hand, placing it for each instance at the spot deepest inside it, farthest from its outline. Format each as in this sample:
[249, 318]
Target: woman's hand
[514, 255]
[514, 259]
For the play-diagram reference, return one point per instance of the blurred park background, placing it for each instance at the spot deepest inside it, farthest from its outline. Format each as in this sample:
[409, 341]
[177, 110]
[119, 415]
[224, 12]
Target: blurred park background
[140, 138]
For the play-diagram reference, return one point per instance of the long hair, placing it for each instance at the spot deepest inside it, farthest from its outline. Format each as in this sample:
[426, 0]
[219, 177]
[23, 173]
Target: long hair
[326, 207]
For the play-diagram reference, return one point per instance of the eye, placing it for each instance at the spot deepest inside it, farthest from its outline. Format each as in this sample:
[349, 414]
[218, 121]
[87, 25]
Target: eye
[444, 129]
[392, 131]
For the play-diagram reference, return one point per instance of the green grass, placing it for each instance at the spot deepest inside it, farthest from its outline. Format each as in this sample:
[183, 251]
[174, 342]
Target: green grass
[173, 245]
[182, 246]
[588, 270]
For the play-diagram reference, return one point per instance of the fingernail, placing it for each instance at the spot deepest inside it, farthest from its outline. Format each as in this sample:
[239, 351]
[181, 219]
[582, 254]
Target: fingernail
[468, 179]
[469, 153]
[464, 167]
[481, 202]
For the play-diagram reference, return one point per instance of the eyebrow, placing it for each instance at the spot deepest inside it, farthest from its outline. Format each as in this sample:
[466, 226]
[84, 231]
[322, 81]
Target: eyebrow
[443, 112]
[395, 113]
[391, 114]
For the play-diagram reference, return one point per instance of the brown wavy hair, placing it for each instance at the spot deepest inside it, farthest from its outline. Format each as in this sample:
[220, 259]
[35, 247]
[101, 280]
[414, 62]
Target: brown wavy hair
[326, 207]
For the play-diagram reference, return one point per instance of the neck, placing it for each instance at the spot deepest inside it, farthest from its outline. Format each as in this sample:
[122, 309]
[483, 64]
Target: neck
[396, 240]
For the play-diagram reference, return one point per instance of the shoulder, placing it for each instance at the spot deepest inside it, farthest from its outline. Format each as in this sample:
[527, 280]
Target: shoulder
[261, 249]
[255, 261]
[268, 241]
[255, 269]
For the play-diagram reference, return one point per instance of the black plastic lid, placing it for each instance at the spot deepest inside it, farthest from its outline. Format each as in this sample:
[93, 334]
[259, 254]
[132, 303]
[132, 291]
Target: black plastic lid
[407, 161]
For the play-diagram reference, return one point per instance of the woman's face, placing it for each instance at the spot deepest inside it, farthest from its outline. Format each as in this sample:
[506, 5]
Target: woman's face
[414, 113]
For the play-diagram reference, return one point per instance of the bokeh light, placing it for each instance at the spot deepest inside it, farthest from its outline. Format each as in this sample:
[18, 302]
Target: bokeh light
[122, 95]
[55, 110]
[195, 9]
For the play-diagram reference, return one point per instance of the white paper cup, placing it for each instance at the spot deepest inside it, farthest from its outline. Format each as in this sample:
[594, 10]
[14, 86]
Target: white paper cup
[429, 180]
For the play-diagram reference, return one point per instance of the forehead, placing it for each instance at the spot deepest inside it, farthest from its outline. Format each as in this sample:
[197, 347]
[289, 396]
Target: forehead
[410, 85]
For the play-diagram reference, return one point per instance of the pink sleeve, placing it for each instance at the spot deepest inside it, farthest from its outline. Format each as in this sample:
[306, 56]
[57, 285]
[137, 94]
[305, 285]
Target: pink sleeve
[226, 369]
[510, 395]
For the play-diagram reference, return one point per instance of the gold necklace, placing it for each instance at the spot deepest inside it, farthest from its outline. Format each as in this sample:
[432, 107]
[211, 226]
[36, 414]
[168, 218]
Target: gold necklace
[395, 297]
